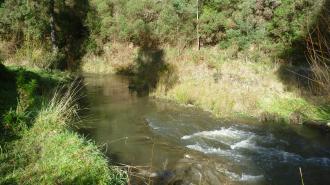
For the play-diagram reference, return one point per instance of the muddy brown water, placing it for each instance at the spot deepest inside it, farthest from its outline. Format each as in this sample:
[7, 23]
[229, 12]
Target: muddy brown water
[182, 145]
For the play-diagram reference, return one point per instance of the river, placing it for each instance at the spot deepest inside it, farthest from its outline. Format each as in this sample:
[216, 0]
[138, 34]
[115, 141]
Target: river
[184, 145]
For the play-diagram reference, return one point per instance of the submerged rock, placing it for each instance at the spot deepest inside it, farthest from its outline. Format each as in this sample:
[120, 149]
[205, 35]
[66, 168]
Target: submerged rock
[190, 171]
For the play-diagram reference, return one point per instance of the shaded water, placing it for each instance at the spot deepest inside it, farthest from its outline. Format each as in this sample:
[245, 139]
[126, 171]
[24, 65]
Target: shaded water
[186, 145]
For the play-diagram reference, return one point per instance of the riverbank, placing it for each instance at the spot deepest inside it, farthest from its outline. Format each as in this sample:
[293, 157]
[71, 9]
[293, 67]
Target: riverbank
[38, 144]
[228, 83]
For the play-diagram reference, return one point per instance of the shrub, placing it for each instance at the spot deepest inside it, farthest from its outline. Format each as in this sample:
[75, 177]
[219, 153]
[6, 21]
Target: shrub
[26, 89]
[14, 122]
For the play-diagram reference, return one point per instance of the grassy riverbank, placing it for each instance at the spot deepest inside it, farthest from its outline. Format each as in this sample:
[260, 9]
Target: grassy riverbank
[38, 145]
[228, 83]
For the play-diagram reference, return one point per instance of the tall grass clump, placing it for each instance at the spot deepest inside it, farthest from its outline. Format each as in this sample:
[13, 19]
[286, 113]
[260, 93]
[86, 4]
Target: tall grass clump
[52, 153]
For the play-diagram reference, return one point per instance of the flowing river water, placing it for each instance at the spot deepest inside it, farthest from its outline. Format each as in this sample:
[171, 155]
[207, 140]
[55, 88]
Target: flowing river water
[184, 145]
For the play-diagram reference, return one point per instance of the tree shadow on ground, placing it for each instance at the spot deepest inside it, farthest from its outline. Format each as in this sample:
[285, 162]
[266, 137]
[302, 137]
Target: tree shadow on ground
[149, 69]
[8, 90]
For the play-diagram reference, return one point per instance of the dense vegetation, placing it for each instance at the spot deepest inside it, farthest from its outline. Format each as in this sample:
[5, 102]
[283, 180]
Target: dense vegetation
[81, 24]
[224, 23]
[48, 33]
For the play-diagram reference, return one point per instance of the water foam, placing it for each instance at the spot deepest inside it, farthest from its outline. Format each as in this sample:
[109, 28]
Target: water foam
[246, 143]
[247, 177]
[209, 150]
[223, 132]
[237, 140]
[217, 151]
[243, 177]
[228, 136]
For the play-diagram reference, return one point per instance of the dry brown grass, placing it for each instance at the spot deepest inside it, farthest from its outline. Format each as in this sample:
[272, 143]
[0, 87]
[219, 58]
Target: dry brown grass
[318, 54]
[34, 55]
[115, 57]
[217, 82]
[225, 82]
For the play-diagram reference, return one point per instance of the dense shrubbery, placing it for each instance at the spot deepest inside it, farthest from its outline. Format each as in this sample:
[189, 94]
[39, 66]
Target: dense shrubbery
[26, 28]
[83, 25]
[23, 20]
[221, 22]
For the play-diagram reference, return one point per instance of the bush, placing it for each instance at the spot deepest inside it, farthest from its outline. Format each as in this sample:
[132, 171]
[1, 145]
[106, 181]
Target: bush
[26, 89]
[14, 123]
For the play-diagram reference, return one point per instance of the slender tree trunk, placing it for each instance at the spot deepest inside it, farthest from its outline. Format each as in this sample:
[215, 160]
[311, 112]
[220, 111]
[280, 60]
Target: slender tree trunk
[197, 27]
[52, 26]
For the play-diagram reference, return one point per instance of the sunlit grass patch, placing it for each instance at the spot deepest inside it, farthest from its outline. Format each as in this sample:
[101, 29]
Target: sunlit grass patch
[284, 106]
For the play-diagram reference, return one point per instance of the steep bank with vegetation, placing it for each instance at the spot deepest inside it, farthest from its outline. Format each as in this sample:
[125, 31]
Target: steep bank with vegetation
[228, 83]
[38, 145]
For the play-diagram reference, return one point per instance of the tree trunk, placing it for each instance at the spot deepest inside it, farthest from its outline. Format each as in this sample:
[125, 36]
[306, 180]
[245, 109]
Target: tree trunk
[197, 27]
[52, 26]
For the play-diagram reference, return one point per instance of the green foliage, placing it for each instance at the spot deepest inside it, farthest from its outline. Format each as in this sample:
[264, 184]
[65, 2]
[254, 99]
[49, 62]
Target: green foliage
[14, 122]
[26, 26]
[26, 90]
[21, 98]
[86, 25]
[291, 18]
[143, 22]
[237, 22]
[23, 20]
[212, 25]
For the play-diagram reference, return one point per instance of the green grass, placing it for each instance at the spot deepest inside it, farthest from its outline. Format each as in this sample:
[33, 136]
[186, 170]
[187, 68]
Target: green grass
[284, 106]
[50, 153]
[23, 88]
[41, 147]
[46, 81]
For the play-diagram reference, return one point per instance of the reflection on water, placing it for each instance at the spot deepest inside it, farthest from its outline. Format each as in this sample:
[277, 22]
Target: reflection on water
[185, 145]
